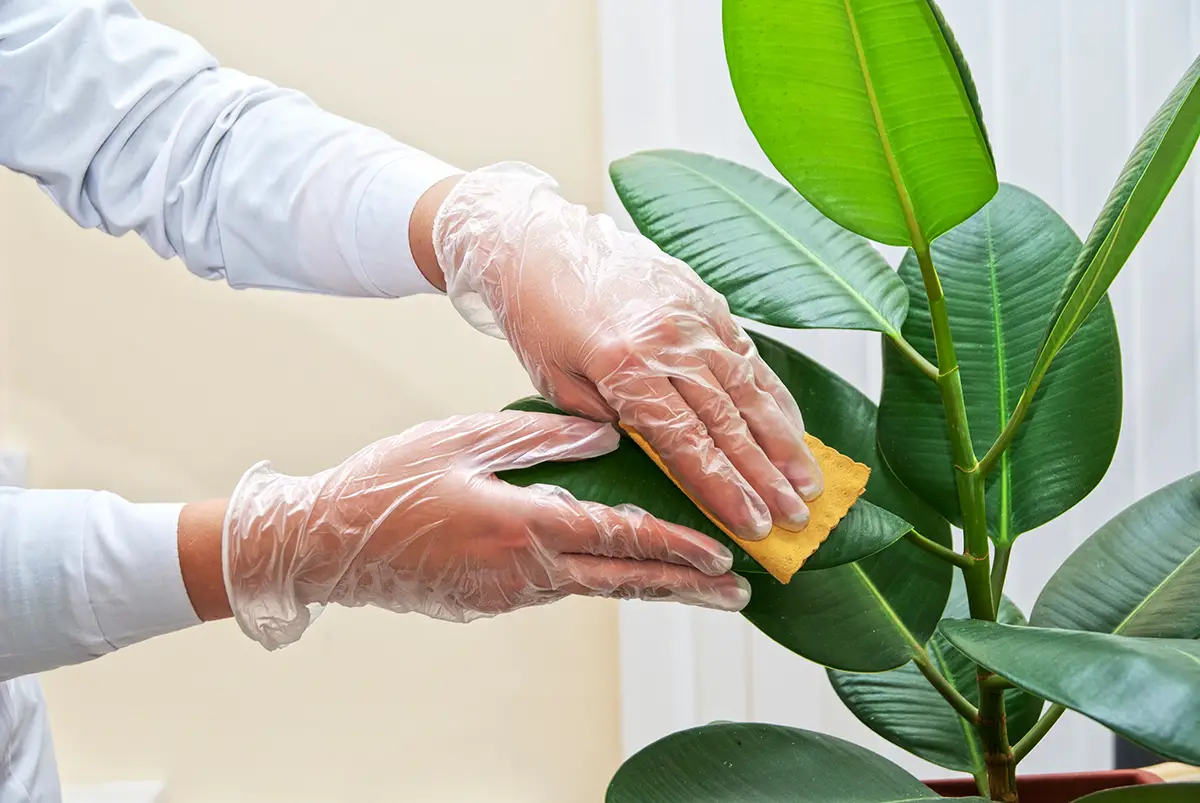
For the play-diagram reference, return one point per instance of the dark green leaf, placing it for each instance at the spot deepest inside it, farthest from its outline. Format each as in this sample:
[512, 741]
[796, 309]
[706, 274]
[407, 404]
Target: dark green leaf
[1156, 162]
[902, 707]
[866, 107]
[869, 615]
[774, 257]
[1154, 793]
[999, 271]
[628, 477]
[731, 763]
[1144, 689]
[864, 616]
[1138, 575]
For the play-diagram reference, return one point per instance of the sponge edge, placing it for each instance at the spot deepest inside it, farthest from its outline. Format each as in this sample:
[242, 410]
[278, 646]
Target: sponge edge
[782, 552]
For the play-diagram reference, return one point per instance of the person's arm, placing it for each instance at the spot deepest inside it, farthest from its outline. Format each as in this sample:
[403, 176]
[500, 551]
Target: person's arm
[131, 126]
[84, 573]
[419, 522]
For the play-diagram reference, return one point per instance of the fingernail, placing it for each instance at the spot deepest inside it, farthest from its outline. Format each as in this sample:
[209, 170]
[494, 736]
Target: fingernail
[740, 598]
[797, 519]
[759, 525]
[722, 560]
[806, 476]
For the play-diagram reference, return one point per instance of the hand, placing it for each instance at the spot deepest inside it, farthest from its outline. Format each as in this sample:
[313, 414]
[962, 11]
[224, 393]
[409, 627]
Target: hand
[420, 522]
[610, 327]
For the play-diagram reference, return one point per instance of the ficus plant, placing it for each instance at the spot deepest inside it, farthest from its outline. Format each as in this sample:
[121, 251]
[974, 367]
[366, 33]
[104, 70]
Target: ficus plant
[1000, 410]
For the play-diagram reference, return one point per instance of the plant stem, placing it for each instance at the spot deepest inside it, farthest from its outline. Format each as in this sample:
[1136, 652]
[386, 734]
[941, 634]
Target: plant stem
[999, 573]
[970, 481]
[1040, 729]
[934, 548]
[992, 727]
[915, 357]
[1010, 428]
[961, 704]
[997, 682]
[993, 733]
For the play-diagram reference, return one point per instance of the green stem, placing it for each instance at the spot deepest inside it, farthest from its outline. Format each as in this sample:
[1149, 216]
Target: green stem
[1041, 728]
[1010, 429]
[934, 548]
[998, 756]
[970, 481]
[915, 357]
[992, 727]
[961, 704]
[999, 573]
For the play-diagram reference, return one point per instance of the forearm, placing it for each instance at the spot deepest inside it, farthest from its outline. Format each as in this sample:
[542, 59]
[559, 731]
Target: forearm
[141, 130]
[420, 231]
[82, 574]
[200, 560]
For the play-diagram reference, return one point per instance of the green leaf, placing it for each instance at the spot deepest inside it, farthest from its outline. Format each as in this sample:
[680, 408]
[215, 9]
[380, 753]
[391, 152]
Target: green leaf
[774, 257]
[739, 762]
[1138, 575]
[862, 616]
[628, 477]
[1153, 793]
[870, 615]
[1156, 162]
[866, 107]
[1144, 689]
[1000, 271]
[902, 707]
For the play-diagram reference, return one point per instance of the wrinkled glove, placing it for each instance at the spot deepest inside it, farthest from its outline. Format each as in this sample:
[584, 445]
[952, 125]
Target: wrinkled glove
[420, 522]
[610, 327]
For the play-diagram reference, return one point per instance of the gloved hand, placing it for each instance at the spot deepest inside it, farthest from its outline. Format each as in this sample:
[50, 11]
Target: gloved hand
[608, 326]
[419, 522]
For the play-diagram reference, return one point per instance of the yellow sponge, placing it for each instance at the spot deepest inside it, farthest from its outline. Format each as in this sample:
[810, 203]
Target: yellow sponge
[783, 551]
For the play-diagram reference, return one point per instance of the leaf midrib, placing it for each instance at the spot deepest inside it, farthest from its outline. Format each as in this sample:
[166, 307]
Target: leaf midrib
[1159, 586]
[969, 735]
[1001, 382]
[906, 205]
[888, 328]
[888, 610]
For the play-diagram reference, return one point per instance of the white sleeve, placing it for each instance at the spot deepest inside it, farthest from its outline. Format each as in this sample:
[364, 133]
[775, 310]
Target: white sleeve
[131, 126]
[84, 573]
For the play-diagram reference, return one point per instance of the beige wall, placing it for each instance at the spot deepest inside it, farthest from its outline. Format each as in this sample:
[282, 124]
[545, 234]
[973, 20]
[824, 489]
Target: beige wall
[124, 372]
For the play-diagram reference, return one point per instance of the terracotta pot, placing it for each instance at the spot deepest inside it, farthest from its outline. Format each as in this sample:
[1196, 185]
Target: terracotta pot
[1053, 788]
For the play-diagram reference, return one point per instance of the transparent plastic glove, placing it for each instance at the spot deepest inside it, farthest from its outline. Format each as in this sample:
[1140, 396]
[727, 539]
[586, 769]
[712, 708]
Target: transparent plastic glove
[610, 327]
[420, 522]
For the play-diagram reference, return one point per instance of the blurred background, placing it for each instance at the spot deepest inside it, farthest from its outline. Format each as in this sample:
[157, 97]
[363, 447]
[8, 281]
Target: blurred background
[122, 372]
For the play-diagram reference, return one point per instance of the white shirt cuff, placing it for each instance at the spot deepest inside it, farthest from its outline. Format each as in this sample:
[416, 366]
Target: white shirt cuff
[131, 560]
[386, 263]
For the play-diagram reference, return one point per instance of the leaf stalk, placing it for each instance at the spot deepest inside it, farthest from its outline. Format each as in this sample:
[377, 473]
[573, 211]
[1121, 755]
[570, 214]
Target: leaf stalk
[965, 708]
[934, 548]
[1031, 739]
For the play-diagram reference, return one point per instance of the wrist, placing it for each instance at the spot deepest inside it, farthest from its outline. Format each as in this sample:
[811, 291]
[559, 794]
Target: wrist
[200, 563]
[420, 230]
[277, 556]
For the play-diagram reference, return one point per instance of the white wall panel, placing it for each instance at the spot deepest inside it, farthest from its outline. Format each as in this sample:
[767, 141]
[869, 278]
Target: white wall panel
[1066, 86]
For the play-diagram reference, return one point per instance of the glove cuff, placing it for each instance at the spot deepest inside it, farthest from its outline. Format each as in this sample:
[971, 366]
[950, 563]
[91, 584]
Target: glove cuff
[479, 223]
[259, 568]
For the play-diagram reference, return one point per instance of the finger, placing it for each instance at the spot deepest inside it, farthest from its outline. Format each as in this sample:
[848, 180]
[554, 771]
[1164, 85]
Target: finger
[577, 395]
[739, 342]
[591, 576]
[654, 408]
[782, 443]
[629, 532]
[520, 439]
[729, 431]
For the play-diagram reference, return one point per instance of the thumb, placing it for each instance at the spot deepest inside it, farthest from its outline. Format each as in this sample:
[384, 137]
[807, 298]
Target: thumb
[533, 438]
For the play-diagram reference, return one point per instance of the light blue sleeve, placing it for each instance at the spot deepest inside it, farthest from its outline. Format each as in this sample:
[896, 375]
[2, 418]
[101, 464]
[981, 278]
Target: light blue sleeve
[82, 574]
[131, 126]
